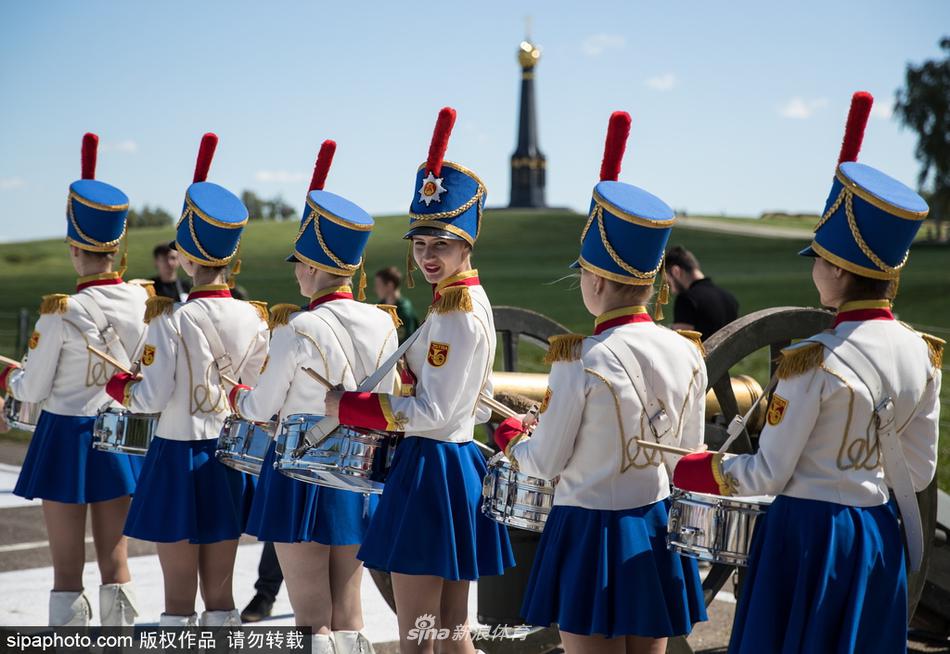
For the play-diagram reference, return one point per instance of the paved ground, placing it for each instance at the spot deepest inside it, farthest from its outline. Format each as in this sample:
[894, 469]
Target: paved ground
[26, 575]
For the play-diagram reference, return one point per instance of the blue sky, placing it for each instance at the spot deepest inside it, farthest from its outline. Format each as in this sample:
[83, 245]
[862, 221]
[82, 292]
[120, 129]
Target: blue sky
[737, 107]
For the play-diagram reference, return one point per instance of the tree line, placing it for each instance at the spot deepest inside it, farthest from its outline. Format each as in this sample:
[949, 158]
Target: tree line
[274, 209]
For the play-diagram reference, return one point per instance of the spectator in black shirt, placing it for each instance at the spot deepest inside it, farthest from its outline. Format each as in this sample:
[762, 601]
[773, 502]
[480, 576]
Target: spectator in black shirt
[700, 305]
[167, 283]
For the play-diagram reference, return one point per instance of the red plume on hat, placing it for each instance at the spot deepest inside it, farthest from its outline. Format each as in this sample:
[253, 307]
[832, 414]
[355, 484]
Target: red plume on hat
[90, 147]
[440, 140]
[205, 154]
[854, 129]
[617, 132]
[322, 166]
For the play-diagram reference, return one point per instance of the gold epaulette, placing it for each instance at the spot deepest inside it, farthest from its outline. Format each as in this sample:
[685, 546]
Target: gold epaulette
[391, 310]
[280, 315]
[695, 337]
[564, 347]
[261, 308]
[158, 306]
[454, 298]
[935, 345]
[55, 303]
[147, 284]
[799, 359]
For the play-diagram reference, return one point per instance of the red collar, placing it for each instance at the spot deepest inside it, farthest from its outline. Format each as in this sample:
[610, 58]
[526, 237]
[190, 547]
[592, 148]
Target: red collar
[329, 294]
[863, 310]
[622, 316]
[209, 290]
[467, 278]
[101, 279]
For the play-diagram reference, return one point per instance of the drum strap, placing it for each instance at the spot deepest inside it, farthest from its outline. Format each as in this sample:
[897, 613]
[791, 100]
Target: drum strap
[660, 423]
[220, 354]
[106, 331]
[895, 464]
[345, 339]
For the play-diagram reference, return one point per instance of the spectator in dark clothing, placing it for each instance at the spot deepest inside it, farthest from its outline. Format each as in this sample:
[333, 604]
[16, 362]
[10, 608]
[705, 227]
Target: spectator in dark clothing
[386, 284]
[168, 283]
[269, 579]
[700, 305]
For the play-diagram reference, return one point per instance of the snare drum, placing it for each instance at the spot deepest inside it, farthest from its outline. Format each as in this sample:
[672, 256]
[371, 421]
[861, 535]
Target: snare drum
[714, 528]
[120, 431]
[515, 499]
[243, 444]
[21, 415]
[349, 458]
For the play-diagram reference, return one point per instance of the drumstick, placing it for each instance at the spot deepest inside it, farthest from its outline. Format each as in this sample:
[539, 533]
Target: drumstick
[497, 406]
[320, 378]
[108, 359]
[666, 448]
[8, 362]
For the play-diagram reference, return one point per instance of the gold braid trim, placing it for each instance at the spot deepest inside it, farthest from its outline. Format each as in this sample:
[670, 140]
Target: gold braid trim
[935, 345]
[799, 360]
[455, 298]
[523, 436]
[147, 284]
[598, 215]
[55, 303]
[564, 347]
[727, 483]
[261, 307]
[695, 337]
[158, 306]
[391, 310]
[280, 315]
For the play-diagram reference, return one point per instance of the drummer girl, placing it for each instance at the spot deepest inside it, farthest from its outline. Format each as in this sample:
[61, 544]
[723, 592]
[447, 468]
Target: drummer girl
[187, 502]
[602, 571]
[428, 530]
[61, 467]
[317, 530]
[826, 570]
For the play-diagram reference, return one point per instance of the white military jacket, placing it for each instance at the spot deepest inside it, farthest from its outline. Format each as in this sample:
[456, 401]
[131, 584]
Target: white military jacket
[179, 376]
[819, 441]
[308, 338]
[58, 368]
[451, 361]
[591, 416]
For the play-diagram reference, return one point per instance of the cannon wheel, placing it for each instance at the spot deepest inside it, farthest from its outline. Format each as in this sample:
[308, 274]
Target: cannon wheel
[513, 325]
[776, 328]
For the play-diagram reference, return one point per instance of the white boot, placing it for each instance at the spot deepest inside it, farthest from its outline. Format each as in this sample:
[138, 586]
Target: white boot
[117, 605]
[352, 642]
[230, 618]
[69, 608]
[168, 620]
[322, 644]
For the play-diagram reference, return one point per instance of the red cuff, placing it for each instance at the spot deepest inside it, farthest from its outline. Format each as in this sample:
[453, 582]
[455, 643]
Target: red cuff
[507, 431]
[369, 410]
[3, 377]
[233, 396]
[699, 473]
[118, 387]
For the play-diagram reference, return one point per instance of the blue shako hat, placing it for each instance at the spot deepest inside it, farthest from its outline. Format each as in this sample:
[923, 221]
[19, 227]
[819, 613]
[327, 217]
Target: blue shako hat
[448, 199]
[870, 219]
[212, 219]
[95, 211]
[627, 228]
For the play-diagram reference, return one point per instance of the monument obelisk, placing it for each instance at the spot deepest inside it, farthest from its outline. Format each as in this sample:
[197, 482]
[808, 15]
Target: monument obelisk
[527, 162]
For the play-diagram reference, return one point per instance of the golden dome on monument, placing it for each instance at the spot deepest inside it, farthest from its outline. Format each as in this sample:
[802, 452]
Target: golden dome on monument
[528, 54]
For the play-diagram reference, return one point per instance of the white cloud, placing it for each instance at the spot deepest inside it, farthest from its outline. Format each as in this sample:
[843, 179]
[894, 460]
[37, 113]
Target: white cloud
[664, 82]
[883, 110]
[279, 176]
[128, 146]
[800, 108]
[597, 44]
[9, 183]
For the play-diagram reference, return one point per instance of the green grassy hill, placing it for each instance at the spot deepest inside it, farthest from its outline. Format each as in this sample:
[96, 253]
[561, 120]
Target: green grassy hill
[522, 258]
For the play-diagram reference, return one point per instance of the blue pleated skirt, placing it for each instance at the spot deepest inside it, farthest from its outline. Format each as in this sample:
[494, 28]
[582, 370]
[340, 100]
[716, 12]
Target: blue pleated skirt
[61, 464]
[185, 493]
[823, 577]
[286, 510]
[429, 520]
[609, 573]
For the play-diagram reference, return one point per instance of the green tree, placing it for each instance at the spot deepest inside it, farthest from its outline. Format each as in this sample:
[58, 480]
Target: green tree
[149, 217]
[924, 106]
